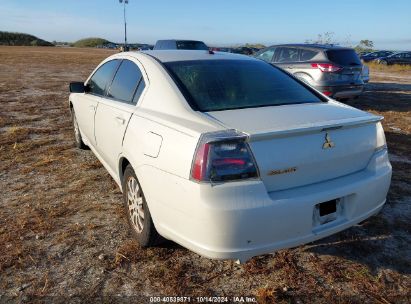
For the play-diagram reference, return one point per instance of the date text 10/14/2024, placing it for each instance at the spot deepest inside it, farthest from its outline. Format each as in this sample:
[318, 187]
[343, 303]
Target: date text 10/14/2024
[183, 299]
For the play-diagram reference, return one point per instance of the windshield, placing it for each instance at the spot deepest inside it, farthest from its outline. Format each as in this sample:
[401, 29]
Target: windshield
[191, 45]
[215, 85]
[344, 57]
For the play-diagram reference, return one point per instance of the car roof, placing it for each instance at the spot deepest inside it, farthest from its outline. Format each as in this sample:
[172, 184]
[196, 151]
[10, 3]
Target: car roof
[179, 40]
[314, 46]
[189, 55]
[399, 52]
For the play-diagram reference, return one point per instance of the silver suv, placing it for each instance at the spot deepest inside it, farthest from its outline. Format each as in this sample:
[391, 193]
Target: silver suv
[333, 70]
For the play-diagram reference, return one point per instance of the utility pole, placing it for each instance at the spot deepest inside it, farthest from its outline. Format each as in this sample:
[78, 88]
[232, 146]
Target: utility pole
[125, 49]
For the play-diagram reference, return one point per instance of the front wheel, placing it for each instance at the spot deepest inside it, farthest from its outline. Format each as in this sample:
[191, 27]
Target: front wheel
[138, 214]
[77, 135]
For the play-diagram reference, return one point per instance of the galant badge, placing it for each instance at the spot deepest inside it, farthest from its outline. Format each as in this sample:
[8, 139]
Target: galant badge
[328, 142]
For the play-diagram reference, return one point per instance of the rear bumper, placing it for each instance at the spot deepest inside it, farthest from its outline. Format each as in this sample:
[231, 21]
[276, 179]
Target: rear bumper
[241, 220]
[346, 91]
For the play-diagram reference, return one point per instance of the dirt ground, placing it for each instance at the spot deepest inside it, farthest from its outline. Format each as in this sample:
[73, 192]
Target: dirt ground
[64, 235]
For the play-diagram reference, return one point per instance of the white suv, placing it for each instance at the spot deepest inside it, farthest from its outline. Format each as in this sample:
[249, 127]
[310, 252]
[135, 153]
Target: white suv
[228, 155]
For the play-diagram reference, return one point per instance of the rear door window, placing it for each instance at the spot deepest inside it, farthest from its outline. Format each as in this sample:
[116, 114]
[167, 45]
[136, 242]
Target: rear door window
[344, 57]
[125, 82]
[139, 91]
[287, 54]
[102, 77]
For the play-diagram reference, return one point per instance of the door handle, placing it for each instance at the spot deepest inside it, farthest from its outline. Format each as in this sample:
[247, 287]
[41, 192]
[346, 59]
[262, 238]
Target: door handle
[92, 107]
[120, 119]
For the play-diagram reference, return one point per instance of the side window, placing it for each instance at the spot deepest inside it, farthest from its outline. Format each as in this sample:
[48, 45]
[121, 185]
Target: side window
[307, 55]
[140, 89]
[287, 55]
[125, 82]
[102, 77]
[267, 55]
[172, 45]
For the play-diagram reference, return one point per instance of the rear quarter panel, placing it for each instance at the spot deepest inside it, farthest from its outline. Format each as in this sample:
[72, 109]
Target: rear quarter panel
[161, 157]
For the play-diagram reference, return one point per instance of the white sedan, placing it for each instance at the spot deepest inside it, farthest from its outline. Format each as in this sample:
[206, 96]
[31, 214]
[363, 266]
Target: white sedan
[228, 155]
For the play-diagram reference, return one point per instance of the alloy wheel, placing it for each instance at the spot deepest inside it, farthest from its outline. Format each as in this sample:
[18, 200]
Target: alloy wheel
[135, 204]
[76, 129]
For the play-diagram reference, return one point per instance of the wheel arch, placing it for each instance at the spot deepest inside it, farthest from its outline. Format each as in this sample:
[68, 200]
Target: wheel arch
[123, 162]
[71, 108]
[301, 74]
[122, 165]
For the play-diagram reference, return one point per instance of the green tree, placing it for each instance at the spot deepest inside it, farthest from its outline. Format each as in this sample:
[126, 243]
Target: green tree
[365, 45]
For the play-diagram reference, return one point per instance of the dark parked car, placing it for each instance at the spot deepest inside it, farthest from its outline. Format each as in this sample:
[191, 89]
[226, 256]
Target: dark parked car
[173, 44]
[397, 58]
[333, 70]
[363, 53]
[375, 55]
[243, 50]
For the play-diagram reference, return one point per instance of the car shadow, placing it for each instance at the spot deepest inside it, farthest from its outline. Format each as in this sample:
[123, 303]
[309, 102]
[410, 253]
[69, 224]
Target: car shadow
[168, 244]
[380, 96]
[377, 250]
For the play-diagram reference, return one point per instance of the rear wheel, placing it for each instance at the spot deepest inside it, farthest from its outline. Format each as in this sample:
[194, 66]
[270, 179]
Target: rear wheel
[343, 99]
[77, 135]
[138, 214]
[383, 62]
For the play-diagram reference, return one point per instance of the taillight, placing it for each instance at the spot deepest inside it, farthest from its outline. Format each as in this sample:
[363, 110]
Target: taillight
[223, 156]
[326, 67]
[381, 142]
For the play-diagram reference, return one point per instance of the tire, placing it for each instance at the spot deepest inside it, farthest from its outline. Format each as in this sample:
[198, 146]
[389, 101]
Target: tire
[383, 62]
[343, 99]
[138, 214]
[78, 141]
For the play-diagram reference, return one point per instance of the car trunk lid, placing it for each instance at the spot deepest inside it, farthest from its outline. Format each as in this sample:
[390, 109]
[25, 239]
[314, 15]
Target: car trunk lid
[297, 145]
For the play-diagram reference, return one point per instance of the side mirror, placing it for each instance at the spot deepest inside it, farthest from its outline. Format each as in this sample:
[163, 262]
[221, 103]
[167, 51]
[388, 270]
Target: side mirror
[77, 87]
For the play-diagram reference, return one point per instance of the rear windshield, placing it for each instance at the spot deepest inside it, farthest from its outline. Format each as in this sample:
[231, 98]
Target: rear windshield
[216, 85]
[344, 57]
[191, 45]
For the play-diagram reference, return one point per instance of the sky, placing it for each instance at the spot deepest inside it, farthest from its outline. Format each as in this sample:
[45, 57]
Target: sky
[216, 22]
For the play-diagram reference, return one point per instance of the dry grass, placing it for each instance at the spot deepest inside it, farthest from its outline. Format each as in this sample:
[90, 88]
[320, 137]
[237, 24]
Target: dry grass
[395, 68]
[63, 232]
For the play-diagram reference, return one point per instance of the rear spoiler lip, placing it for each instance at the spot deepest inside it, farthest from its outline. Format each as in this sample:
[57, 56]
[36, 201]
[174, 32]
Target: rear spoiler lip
[315, 127]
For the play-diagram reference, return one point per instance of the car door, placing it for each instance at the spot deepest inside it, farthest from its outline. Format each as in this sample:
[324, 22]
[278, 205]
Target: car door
[85, 107]
[404, 58]
[396, 59]
[286, 58]
[407, 59]
[115, 110]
